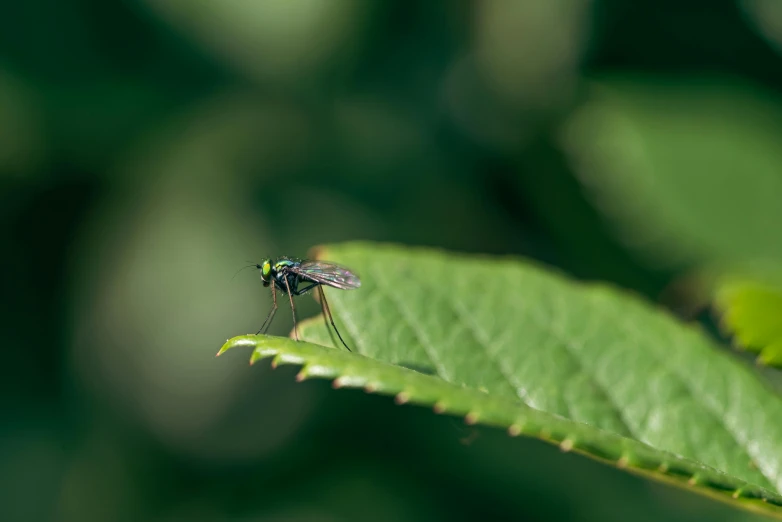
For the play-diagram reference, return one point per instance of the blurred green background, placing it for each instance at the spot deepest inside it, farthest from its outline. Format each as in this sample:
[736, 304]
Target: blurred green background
[150, 148]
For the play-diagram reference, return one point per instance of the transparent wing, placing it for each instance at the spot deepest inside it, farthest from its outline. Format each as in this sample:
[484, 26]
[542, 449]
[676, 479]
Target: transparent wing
[328, 274]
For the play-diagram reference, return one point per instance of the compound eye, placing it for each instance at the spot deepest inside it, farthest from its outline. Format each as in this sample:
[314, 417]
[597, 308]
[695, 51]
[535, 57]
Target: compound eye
[266, 270]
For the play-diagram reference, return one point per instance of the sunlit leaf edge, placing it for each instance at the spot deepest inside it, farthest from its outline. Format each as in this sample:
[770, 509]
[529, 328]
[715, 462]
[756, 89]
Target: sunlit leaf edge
[350, 370]
[735, 298]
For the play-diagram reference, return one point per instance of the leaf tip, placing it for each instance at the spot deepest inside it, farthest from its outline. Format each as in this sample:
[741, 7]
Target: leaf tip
[246, 341]
[257, 356]
[226, 345]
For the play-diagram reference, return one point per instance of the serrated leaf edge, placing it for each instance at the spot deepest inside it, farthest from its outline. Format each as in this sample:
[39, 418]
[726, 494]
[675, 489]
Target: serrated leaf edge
[634, 456]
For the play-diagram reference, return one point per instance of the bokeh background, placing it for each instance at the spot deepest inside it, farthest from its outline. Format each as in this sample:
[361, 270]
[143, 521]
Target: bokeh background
[150, 148]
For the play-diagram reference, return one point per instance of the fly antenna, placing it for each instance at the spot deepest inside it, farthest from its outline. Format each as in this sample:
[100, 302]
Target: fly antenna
[252, 265]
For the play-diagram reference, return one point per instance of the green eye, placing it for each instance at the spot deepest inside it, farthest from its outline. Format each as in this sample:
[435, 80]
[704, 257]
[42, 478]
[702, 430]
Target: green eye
[266, 270]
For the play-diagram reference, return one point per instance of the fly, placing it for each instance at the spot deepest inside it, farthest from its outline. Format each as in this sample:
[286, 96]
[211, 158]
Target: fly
[286, 275]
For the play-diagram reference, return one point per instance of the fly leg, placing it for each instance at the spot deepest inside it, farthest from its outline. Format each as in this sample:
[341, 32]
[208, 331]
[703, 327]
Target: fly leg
[293, 308]
[304, 290]
[327, 311]
[269, 317]
[325, 308]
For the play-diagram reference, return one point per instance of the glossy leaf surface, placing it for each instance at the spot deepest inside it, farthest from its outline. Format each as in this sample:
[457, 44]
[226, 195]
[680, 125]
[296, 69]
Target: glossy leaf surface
[516, 346]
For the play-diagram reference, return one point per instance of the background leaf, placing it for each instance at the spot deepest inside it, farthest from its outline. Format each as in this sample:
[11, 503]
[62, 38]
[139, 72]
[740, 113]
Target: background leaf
[749, 303]
[686, 169]
[520, 347]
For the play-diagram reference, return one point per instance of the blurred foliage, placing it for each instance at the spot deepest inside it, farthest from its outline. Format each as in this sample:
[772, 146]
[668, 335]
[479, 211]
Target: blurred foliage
[766, 15]
[149, 149]
[748, 301]
[644, 146]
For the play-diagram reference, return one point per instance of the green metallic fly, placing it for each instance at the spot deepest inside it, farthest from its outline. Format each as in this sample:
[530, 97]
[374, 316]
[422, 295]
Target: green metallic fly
[286, 274]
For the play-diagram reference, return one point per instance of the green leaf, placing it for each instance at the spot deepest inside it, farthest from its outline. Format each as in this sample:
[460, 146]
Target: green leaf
[750, 304]
[685, 169]
[585, 366]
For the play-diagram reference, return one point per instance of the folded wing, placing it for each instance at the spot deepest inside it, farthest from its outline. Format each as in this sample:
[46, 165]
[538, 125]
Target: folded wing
[329, 274]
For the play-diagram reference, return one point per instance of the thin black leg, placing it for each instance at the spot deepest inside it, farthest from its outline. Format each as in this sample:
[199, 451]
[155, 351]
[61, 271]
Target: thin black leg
[269, 317]
[327, 311]
[304, 290]
[293, 308]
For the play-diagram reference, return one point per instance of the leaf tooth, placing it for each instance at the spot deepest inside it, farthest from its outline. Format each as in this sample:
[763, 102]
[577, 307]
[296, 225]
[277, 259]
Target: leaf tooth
[439, 407]
[320, 370]
[643, 461]
[371, 385]
[471, 418]
[257, 355]
[262, 352]
[663, 467]
[623, 461]
[515, 429]
[275, 361]
[349, 381]
[566, 445]
[402, 397]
